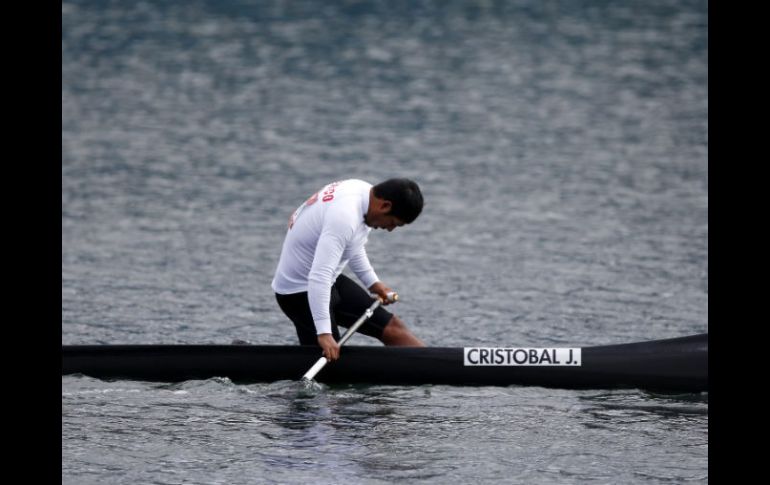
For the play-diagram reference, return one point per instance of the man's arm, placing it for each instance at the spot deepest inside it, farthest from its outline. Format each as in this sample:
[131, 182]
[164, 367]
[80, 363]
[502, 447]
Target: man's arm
[328, 254]
[362, 268]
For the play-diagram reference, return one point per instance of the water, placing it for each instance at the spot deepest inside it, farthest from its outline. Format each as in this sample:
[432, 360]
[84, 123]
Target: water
[562, 150]
[216, 432]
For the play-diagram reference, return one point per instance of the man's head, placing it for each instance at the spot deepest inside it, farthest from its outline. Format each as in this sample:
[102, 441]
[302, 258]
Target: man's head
[393, 203]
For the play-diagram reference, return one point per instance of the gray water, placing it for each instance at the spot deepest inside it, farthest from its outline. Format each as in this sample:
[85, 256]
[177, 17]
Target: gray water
[562, 150]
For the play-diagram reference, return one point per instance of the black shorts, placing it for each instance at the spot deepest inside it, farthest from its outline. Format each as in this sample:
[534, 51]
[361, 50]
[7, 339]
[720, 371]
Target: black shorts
[348, 302]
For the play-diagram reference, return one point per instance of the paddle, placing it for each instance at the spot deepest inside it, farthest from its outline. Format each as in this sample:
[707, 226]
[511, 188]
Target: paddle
[309, 375]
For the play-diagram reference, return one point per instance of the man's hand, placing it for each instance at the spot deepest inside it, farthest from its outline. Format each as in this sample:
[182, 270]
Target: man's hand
[330, 347]
[381, 290]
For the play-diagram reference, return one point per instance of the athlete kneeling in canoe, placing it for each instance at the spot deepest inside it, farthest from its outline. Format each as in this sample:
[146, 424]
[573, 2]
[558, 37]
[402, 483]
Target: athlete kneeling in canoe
[328, 232]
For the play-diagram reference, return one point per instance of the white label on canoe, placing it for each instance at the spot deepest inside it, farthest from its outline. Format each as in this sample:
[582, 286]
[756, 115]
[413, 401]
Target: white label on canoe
[521, 356]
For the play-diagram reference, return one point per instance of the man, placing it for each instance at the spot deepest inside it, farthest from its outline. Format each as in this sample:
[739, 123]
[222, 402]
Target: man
[328, 232]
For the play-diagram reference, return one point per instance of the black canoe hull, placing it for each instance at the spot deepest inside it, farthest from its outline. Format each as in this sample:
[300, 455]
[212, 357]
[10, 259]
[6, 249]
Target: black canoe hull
[673, 365]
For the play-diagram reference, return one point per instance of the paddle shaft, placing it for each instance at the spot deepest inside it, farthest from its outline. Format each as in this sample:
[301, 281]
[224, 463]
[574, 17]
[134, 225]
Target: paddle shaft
[310, 374]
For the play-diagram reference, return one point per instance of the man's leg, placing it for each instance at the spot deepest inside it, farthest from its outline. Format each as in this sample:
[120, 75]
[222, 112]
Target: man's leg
[297, 308]
[397, 334]
[352, 303]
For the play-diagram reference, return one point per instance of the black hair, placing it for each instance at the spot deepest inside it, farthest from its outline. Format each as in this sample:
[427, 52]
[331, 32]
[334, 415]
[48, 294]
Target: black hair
[404, 195]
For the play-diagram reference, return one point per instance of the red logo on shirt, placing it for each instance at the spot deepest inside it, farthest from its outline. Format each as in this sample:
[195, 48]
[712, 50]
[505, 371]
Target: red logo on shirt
[328, 195]
[329, 192]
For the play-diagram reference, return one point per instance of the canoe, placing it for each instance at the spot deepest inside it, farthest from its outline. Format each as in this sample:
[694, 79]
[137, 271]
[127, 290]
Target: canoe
[669, 365]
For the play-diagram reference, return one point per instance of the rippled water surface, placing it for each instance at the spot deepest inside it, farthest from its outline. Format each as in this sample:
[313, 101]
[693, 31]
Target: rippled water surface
[562, 150]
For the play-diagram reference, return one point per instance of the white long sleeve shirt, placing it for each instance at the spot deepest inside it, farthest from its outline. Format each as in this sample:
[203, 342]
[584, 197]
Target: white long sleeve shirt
[326, 233]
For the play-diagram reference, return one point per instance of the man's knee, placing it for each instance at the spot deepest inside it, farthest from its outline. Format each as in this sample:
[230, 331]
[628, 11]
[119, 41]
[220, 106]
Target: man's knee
[396, 333]
[394, 328]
